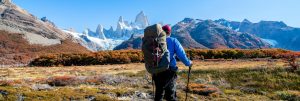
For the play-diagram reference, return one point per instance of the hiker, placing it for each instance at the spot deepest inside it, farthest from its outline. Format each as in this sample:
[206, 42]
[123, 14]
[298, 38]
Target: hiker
[166, 81]
[159, 51]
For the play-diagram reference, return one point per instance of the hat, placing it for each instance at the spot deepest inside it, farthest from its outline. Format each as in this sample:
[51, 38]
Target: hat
[167, 28]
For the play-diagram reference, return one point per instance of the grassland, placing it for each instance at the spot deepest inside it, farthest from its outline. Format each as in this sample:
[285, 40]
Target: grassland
[255, 79]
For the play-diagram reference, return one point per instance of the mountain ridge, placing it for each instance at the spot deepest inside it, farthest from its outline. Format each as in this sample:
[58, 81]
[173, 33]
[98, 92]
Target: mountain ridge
[203, 34]
[282, 35]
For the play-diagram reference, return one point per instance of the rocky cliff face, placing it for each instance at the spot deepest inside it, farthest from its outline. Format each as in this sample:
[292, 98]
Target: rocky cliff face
[135, 42]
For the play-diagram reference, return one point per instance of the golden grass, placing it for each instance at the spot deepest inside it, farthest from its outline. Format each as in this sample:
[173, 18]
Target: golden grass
[233, 64]
[212, 70]
[44, 72]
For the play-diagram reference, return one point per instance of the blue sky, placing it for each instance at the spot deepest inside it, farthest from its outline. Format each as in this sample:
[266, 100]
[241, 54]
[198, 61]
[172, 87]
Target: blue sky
[81, 14]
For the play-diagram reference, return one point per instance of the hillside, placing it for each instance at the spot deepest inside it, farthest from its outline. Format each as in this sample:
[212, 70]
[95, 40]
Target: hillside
[14, 49]
[23, 36]
[132, 43]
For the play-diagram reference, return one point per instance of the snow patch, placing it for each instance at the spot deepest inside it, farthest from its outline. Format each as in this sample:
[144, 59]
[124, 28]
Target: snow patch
[238, 29]
[74, 34]
[270, 41]
[106, 44]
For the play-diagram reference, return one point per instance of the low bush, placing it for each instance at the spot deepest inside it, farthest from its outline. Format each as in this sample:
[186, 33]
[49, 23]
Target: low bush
[136, 56]
[62, 81]
[203, 89]
[288, 95]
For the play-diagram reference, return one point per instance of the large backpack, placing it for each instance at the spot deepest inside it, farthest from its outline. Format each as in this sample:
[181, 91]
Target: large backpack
[154, 47]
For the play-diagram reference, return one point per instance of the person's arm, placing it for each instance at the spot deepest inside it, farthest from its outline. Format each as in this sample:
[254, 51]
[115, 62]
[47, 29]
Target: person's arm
[181, 53]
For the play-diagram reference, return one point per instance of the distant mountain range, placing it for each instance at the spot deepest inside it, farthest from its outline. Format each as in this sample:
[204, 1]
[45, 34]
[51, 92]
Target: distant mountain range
[196, 33]
[277, 33]
[108, 39]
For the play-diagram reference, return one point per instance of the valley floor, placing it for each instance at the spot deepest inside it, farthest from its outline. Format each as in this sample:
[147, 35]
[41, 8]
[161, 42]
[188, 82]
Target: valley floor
[261, 79]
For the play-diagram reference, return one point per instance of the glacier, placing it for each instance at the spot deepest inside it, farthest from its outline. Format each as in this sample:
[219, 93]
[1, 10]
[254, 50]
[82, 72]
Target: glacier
[93, 43]
[270, 41]
[108, 39]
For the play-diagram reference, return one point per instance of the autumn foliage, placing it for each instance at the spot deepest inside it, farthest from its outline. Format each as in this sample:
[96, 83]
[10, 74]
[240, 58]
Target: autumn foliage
[15, 49]
[97, 58]
[136, 56]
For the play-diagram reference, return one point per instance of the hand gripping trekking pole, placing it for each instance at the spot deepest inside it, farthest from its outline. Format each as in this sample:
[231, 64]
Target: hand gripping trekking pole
[188, 79]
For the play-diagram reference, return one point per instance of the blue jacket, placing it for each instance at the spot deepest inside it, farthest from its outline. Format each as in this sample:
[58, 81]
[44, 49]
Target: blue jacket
[175, 47]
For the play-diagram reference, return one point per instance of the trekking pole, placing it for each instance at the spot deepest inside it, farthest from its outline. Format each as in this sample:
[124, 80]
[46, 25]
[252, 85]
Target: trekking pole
[187, 85]
[188, 80]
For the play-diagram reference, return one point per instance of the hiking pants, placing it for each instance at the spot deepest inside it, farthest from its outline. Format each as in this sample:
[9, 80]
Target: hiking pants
[165, 82]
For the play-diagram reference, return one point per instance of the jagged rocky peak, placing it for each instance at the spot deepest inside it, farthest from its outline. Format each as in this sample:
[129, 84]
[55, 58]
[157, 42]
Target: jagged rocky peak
[246, 21]
[111, 28]
[121, 19]
[187, 20]
[222, 21]
[141, 20]
[120, 23]
[100, 32]
[99, 29]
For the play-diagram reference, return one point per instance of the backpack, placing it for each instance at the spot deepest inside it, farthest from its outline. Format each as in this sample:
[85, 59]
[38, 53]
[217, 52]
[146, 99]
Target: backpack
[155, 50]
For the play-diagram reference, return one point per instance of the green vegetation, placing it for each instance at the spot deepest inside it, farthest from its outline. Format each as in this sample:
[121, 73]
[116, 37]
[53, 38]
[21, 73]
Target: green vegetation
[67, 93]
[270, 82]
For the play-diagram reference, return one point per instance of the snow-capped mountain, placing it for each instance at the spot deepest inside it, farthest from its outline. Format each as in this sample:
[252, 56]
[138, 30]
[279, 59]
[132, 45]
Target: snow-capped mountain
[276, 33]
[94, 42]
[141, 20]
[108, 39]
[205, 34]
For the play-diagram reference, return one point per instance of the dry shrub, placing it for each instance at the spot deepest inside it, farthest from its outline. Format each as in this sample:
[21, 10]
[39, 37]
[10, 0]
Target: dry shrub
[40, 80]
[16, 50]
[10, 82]
[6, 83]
[203, 89]
[136, 56]
[62, 81]
[291, 60]
[96, 80]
